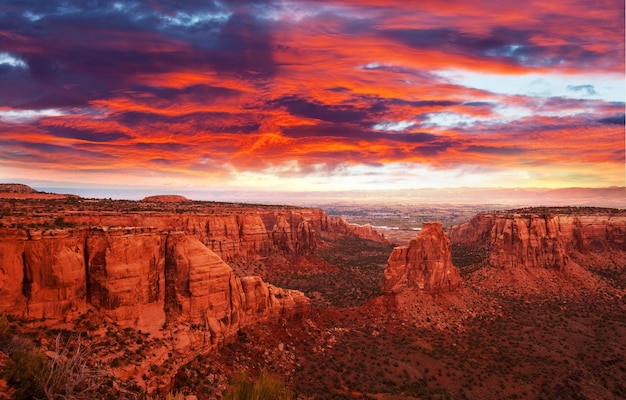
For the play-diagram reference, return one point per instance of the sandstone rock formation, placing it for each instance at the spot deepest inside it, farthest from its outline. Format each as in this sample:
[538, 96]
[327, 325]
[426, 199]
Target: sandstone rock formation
[125, 273]
[528, 241]
[202, 289]
[243, 234]
[423, 265]
[540, 238]
[139, 277]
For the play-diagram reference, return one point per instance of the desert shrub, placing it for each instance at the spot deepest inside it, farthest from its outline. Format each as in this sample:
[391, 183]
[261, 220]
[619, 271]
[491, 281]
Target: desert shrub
[22, 372]
[62, 373]
[266, 387]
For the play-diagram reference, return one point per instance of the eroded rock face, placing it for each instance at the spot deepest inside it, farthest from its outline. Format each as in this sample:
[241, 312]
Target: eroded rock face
[12, 246]
[54, 280]
[425, 264]
[202, 289]
[125, 272]
[242, 235]
[527, 242]
[42, 277]
[139, 277]
[542, 239]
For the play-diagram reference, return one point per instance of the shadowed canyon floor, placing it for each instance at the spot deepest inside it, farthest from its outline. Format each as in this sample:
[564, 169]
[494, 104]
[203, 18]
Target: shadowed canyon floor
[548, 323]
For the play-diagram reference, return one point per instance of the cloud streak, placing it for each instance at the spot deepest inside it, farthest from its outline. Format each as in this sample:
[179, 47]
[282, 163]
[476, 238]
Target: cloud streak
[244, 92]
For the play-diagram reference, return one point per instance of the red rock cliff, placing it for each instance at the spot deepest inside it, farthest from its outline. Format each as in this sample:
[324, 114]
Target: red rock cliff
[542, 238]
[423, 265]
[240, 235]
[201, 288]
[137, 276]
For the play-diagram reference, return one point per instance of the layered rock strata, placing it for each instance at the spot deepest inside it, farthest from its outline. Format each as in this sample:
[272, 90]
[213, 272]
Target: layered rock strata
[425, 264]
[137, 276]
[542, 239]
[243, 234]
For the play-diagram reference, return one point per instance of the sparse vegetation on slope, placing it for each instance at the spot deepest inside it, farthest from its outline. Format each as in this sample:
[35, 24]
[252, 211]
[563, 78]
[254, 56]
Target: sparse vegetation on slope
[266, 387]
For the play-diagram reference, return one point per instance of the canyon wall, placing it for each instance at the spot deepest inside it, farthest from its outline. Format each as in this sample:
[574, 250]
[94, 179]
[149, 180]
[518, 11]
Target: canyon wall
[139, 277]
[425, 264]
[240, 235]
[542, 238]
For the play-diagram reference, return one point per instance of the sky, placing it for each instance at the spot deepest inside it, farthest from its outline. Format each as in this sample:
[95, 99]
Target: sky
[162, 95]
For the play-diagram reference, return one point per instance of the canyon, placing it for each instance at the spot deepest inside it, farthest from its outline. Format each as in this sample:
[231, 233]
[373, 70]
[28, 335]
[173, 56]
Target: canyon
[177, 294]
[122, 261]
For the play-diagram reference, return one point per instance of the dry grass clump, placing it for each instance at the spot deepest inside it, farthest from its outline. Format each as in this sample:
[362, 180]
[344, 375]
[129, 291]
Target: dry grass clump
[267, 387]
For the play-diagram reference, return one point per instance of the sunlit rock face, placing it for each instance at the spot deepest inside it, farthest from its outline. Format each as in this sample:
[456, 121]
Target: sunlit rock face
[42, 274]
[125, 272]
[542, 239]
[424, 265]
[139, 277]
[527, 242]
[244, 234]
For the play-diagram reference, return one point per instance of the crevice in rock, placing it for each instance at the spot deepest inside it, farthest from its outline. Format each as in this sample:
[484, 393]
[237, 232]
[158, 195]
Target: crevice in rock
[27, 281]
[87, 276]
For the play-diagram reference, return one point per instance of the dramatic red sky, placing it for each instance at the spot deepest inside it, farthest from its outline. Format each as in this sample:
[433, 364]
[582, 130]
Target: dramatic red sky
[311, 95]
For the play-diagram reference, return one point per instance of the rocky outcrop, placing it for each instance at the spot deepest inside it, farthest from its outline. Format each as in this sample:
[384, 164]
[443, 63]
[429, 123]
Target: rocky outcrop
[139, 277]
[425, 264]
[340, 226]
[542, 238]
[16, 188]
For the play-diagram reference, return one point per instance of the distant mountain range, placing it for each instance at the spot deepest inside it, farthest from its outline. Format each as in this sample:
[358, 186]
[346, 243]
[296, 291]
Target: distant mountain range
[613, 196]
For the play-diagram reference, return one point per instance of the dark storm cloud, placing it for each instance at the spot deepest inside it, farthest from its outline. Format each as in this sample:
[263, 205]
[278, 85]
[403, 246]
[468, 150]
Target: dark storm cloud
[503, 151]
[193, 93]
[433, 149]
[158, 147]
[454, 39]
[614, 120]
[91, 48]
[330, 113]
[214, 122]
[364, 111]
[90, 136]
[424, 103]
[339, 89]
[511, 46]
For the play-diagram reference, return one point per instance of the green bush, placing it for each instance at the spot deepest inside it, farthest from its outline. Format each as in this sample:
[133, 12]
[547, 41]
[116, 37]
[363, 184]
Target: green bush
[266, 387]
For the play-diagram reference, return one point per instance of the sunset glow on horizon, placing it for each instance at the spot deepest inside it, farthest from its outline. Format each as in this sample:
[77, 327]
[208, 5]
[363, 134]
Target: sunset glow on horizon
[308, 95]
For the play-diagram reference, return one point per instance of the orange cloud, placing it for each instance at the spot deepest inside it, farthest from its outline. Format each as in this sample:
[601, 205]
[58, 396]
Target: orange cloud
[346, 88]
